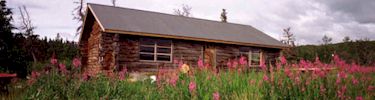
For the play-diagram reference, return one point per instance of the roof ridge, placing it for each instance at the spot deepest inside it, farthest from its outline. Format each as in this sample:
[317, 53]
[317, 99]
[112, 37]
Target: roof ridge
[173, 15]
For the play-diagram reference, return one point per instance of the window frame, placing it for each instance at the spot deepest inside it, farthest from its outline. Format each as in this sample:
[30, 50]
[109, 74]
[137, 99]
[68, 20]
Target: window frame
[155, 53]
[249, 52]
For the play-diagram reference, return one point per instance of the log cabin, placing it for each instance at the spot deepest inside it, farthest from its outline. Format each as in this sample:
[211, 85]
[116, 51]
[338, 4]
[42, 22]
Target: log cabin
[115, 37]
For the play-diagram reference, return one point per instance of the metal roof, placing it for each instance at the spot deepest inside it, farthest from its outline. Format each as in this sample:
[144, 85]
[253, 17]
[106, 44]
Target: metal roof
[132, 20]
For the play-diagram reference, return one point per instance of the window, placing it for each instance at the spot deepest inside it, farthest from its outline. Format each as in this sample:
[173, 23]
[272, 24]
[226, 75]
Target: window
[253, 55]
[254, 58]
[155, 50]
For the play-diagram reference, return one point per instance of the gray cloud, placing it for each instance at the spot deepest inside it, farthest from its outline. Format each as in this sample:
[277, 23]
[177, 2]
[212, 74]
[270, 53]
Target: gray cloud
[310, 19]
[362, 11]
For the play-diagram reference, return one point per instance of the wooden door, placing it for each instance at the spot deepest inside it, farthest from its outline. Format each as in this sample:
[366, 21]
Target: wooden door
[210, 56]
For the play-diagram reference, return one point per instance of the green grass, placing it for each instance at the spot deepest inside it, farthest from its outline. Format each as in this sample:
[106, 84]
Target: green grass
[230, 84]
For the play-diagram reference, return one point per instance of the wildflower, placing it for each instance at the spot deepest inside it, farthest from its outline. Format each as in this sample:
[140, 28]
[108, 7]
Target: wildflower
[288, 72]
[184, 68]
[320, 73]
[85, 76]
[338, 61]
[153, 78]
[76, 62]
[283, 60]
[342, 75]
[62, 68]
[303, 63]
[34, 76]
[338, 81]
[355, 81]
[370, 88]
[53, 61]
[192, 86]
[173, 80]
[341, 92]
[122, 73]
[358, 98]
[243, 60]
[200, 63]
[229, 64]
[234, 64]
[265, 78]
[263, 66]
[216, 96]
[297, 80]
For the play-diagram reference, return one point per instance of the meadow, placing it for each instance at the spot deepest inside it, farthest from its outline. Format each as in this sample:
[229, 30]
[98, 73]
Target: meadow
[302, 80]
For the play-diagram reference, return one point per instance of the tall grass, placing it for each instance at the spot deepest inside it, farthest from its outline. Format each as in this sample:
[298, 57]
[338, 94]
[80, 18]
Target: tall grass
[304, 80]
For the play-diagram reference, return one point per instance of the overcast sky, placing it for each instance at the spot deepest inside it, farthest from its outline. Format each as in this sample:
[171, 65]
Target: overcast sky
[310, 20]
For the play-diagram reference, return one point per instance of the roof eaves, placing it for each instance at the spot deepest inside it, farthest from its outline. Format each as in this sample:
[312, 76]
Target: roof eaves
[192, 38]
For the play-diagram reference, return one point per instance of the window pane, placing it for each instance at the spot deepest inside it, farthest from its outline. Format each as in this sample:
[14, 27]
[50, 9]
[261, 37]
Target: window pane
[163, 58]
[164, 50]
[164, 42]
[147, 41]
[146, 56]
[255, 59]
[147, 49]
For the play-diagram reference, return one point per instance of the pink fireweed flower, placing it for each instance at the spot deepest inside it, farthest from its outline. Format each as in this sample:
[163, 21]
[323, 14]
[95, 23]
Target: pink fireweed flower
[354, 68]
[122, 73]
[234, 64]
[370, 88]
[341, 92]
[53, 61]
[33, 78]
[297, 80]
[85, 76]
[278, 66]
[192, 86]
[173, 80]
[288, 72]
[342, 75]
[355, 81]
[263, 66]
[200, 63]
[216, 96]
[266, 78]
[76, 62]
[338, 81]
[62, 68]
[338, 61]
[283, 60]
[243, 60]
[35, 74]
[303, 63]
[358, 98]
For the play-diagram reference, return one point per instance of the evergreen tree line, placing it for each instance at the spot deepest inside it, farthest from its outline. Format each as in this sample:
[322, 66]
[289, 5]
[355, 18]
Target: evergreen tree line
[19, 51]
[360, 52]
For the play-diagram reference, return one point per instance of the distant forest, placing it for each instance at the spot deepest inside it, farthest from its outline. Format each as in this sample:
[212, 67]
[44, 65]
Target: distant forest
[360, 52]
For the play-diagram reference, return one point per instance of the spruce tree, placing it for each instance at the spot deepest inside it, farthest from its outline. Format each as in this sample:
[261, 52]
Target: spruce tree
[6, 35]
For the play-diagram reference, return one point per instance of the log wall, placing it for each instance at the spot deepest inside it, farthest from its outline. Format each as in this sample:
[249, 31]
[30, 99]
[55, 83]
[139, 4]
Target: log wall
[108, 51]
